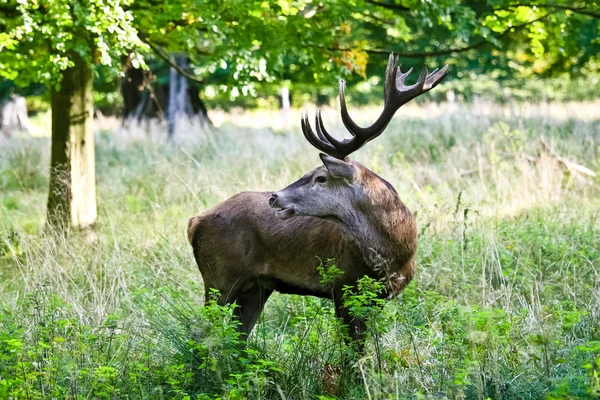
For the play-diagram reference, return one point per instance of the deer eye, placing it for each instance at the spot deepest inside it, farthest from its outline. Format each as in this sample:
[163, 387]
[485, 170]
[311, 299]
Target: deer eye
[320, 179]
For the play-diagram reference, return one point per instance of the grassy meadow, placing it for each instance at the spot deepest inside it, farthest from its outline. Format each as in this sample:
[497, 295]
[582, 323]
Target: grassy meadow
[505, 303]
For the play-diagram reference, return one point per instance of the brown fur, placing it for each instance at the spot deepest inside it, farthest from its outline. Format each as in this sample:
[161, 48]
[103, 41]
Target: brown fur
[393, 242]
[246, 252]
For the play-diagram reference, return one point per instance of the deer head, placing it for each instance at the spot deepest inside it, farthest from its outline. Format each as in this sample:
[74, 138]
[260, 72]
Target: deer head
[319, 193]
[340, 185]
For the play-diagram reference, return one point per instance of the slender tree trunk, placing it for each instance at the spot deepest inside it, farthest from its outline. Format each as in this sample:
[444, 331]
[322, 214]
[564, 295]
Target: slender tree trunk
[177, 85]
[72, 194]
[285, 104]
[13, 115]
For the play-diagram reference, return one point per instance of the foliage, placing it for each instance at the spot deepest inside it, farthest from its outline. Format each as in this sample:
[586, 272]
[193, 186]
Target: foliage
[40, 38]
[244, 49]
[306, 46]
[529, 38]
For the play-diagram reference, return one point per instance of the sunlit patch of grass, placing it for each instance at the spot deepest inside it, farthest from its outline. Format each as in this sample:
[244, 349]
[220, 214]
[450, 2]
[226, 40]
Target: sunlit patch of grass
[505, 303]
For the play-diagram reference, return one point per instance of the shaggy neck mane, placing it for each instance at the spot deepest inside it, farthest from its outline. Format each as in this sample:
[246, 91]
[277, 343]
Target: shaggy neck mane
[384, 232]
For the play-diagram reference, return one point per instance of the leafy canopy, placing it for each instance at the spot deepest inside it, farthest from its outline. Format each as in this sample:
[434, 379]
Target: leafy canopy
[41, 37]
[238, 43]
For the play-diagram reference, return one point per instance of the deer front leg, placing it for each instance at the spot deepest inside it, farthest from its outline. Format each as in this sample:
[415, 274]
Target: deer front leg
[356, 326]
[250, 304]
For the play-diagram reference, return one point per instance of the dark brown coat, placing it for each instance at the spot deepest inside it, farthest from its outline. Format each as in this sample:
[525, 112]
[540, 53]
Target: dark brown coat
[246, 252]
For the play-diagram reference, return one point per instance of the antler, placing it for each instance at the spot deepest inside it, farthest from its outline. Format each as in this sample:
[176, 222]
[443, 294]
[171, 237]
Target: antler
[396, 94]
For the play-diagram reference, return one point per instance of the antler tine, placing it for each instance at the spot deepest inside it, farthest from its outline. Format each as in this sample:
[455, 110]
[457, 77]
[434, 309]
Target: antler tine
[396, 94]
[401, 77]
[407, 93]
[390, 79]
[317, 128]
[320, 128]
[315, 140]
[348, 123]
[434, 78]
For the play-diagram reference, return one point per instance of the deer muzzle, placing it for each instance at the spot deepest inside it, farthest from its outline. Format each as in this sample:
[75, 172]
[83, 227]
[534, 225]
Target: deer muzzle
[283, 212]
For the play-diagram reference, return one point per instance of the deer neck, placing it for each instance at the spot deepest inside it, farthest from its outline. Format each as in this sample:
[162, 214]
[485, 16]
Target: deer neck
[374, 233]
[383, 231]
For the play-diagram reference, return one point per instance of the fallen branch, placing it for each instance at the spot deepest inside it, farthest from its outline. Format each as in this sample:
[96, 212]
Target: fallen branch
[568, 164]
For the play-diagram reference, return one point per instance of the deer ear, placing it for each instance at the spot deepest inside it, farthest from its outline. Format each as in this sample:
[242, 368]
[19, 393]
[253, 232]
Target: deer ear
[336, 167]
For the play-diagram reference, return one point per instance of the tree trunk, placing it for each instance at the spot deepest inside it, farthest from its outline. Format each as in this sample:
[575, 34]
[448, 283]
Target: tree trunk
[146, 97]
[132, 89]
[13, 115]
[177, 91]
[285, 103]
[184, 99]
[72, 194]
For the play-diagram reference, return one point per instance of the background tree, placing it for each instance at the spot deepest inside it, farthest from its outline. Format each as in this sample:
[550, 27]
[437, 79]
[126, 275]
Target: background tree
[58, 43]
[147, 93]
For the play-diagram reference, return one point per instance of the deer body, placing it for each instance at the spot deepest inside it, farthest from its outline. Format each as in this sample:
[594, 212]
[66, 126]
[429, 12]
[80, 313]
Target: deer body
[255, 243]
[246, 251]
[241, 243]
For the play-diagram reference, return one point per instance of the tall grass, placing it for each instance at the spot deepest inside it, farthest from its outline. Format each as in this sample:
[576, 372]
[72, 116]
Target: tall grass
[505, 304]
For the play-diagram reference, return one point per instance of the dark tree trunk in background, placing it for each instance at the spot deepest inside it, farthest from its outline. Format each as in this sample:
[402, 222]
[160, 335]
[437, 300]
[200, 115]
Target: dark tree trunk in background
[72, 192]
[132, 88]
[141, 98]
[144, 97]
[322, 99]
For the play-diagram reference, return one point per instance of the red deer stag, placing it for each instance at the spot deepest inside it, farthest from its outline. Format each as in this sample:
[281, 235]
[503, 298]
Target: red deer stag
[341, 210]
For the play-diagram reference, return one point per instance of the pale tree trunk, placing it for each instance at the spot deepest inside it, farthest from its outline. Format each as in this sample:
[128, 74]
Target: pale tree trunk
[177, 94]
[13, 115]
[285, 105]
[72, 194]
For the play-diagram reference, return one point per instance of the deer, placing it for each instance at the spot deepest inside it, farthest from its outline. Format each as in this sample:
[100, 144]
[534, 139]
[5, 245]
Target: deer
[256, 243]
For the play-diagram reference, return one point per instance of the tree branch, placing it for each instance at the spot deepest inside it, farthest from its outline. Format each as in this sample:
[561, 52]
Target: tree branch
[458, 49]
[377, 19]
[577, 10]
[159, 52]
[388, 6]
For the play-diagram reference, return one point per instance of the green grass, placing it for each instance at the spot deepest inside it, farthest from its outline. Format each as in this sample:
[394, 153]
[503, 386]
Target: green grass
[505, 303]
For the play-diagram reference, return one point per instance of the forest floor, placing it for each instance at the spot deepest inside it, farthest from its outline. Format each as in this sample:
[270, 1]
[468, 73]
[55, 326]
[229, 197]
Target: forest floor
[505, 303]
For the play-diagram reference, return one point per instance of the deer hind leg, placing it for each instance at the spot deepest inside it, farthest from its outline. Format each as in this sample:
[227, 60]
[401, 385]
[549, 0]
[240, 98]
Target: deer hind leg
[250, 304]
